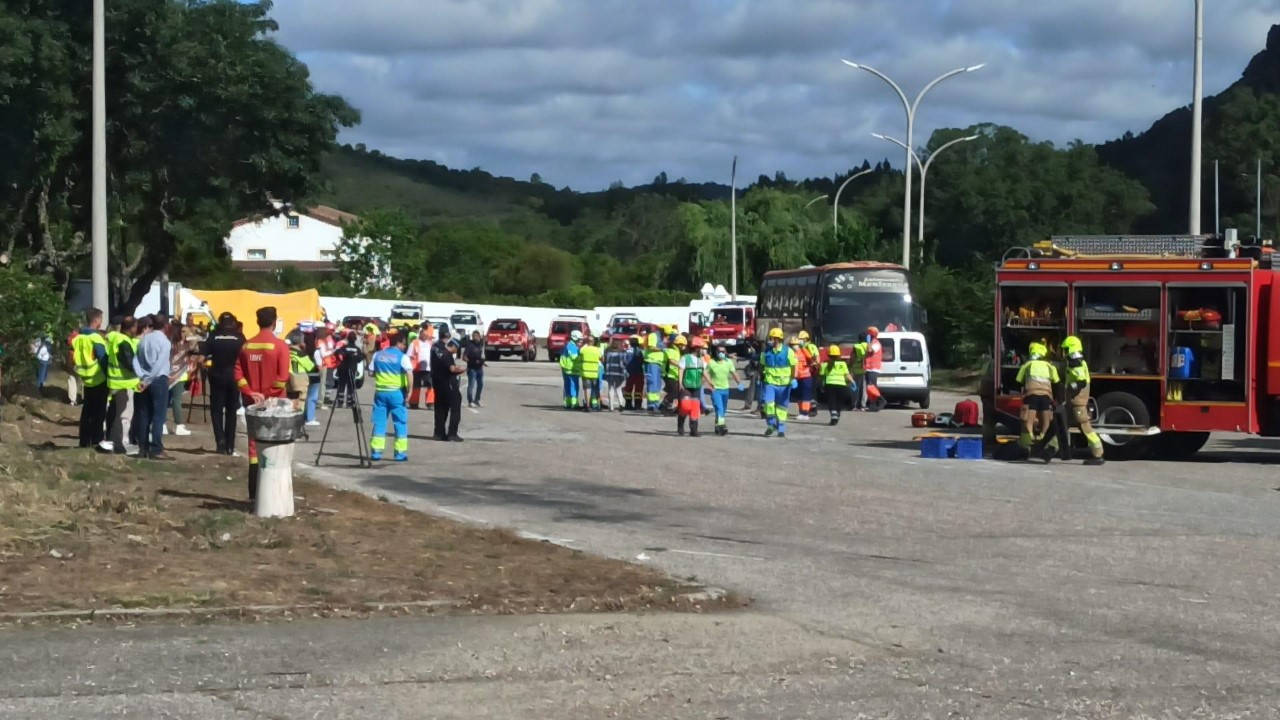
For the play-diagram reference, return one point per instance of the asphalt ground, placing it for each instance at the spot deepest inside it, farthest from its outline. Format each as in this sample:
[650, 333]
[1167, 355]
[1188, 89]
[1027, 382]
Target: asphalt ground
[884, 584]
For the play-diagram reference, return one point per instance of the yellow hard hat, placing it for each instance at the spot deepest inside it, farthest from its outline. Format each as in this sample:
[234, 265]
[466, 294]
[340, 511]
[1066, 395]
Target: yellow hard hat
[681, 340]
[834, 351]
[775, 334]
[793, 341]
[803, 335]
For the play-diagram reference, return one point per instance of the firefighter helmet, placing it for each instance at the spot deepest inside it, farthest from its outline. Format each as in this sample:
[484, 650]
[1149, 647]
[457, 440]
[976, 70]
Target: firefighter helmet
[873, 331]
[1038, 350]
[1071, 345]
[699, 343]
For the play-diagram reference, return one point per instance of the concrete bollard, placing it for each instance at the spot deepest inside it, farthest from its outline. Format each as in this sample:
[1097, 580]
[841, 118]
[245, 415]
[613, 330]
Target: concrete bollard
[275, 480]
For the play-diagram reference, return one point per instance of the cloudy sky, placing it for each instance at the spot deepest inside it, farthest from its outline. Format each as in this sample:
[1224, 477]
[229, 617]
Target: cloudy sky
[585, 92]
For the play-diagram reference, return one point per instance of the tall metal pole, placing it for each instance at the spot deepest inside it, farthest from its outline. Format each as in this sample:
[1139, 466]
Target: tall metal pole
[910, 108]
[1197, 118]
[1217, 202]
[101, 293]
[924, 173]
[1258, 216]
[835, 206]
[733, 230]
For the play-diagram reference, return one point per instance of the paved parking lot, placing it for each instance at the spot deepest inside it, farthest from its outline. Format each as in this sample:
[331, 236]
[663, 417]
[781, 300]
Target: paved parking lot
[884, 584]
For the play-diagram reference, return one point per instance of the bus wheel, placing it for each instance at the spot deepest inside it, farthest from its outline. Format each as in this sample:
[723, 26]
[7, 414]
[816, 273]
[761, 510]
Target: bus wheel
[1178, 445]
[1121, 408]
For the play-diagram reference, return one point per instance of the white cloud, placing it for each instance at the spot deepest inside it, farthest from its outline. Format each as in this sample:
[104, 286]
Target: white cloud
[588, 91]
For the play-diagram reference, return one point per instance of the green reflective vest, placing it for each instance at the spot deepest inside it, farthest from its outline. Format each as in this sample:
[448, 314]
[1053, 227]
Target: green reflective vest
[590, 356]
[673, 363]
[835, 372]
[87, 365]
[118, 376]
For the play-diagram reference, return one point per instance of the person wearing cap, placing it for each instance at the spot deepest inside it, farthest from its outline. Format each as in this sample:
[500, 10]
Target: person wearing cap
[692, 378]
[837, 383]
[778, 366]
[262, 371]
[222, 348]
[815, 369]
[445, 370]
[571, 369]
[1037, 376]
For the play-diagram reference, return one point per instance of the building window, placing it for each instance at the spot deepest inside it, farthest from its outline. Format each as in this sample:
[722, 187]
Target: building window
[257, 254]
[293, 222]
[327, 254]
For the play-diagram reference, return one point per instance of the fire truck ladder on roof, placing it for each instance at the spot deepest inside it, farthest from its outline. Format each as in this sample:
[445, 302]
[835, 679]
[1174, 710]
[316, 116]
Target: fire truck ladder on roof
[1185, 246]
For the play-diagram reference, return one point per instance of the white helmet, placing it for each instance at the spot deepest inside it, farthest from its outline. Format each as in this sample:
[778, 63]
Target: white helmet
[576, 335]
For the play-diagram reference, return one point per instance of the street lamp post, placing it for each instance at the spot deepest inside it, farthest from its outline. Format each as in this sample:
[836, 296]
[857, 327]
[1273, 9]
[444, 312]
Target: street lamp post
[733, 229]
[924, 173]
[1197, 117]
[910, 108]
[811, 202]
[835, 206]
[98, 235]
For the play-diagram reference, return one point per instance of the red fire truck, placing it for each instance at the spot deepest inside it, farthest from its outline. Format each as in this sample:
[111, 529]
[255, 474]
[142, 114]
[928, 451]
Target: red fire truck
[1179, 332]
[730, 324]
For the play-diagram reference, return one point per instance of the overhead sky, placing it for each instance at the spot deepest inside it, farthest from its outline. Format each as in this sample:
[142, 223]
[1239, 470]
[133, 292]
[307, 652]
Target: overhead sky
[585, 92]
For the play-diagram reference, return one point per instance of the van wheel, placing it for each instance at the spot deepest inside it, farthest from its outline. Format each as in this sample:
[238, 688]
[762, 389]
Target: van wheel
[924, 401]
[1121, 408]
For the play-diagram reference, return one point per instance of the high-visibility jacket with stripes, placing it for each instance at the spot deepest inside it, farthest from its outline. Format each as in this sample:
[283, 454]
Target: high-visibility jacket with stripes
[88, 365]
[119, 377]
[1038, 377]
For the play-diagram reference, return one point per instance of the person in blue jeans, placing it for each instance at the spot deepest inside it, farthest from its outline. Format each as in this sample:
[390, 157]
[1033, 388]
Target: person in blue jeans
[42, 348]
[473, 353]
[151, 364]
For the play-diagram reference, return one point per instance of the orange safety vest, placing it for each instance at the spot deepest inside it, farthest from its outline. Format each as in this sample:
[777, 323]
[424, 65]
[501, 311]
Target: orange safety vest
[875, 357]
[803, 364]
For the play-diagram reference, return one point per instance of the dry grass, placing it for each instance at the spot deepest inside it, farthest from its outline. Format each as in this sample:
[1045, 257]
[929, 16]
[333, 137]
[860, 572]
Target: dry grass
[82, 530]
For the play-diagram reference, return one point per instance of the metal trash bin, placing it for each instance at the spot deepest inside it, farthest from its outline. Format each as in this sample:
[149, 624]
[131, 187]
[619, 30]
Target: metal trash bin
[275, 425]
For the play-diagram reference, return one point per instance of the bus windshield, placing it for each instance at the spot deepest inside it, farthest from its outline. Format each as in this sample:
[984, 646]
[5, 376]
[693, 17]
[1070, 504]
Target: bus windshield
[855, 301]
[405, 314]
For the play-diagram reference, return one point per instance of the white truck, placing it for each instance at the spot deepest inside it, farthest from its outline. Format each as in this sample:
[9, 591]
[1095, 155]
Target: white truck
[465, 322]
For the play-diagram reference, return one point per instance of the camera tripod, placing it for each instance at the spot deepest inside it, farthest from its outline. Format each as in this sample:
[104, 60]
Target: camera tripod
[346, 389]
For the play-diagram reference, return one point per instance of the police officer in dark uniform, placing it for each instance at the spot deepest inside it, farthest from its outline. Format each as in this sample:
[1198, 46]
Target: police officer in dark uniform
[445, 370]
[348, 377]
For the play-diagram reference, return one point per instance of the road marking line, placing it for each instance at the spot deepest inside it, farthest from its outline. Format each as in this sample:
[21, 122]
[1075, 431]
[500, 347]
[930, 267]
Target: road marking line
[467, 518]
[541, 538]
[716, 554]
[908, 462]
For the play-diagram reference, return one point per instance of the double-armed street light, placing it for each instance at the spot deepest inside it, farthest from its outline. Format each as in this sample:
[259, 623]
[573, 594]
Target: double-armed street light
[924, 170]
[835, 206]
[910, 108]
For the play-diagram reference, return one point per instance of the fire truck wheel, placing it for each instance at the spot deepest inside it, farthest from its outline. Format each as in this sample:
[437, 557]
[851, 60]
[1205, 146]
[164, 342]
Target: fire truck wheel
[1121, 408]
[1179, 445]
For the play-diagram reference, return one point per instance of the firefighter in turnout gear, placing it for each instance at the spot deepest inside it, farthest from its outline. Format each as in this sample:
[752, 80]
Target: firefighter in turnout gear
[1037, 377]
[1077, 381]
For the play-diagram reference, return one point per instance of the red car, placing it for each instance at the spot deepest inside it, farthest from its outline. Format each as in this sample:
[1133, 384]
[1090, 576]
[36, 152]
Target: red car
[627, 330]
[509, 337]
[561, 328]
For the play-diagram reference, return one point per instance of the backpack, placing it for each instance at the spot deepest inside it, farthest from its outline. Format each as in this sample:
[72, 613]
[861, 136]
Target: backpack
[966, 414]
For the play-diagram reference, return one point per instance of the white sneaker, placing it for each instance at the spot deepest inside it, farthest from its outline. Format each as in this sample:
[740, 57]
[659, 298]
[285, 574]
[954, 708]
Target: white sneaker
[107, 446]
[236, 453]
[181, 431]
[240, 412]
[314, 423]
[164, 429]
[131, 450]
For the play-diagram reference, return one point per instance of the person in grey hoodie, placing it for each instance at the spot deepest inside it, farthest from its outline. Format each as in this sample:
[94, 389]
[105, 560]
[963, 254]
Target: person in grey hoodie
[151, 365]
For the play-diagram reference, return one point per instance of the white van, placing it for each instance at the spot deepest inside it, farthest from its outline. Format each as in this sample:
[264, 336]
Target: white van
[905, 374]
[465, 322]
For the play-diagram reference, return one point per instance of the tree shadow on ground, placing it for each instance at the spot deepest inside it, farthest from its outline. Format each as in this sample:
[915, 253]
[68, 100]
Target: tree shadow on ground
[211, 502]
[565, 499]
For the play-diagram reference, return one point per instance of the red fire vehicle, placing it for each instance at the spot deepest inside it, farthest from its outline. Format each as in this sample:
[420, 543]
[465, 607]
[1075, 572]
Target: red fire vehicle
[731, 324]
[1177, 331]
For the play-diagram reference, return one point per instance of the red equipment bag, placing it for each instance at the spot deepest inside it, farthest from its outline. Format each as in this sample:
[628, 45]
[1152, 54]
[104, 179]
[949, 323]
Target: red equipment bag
[966, 414]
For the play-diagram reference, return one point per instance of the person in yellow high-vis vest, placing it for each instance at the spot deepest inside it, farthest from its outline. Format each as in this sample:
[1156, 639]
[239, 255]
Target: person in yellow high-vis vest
[590, 355]
[837, 383]
[655, 357]
[122, 383]
[392, 372]
[1037, 377]
[89, 352]
[1077, 396]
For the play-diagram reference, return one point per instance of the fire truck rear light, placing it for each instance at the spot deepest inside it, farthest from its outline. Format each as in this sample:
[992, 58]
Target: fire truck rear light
[1033, 266]
[1117, 266]
[1206, 266]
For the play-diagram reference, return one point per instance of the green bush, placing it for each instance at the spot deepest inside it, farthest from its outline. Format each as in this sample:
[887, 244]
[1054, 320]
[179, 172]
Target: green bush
[30, 306]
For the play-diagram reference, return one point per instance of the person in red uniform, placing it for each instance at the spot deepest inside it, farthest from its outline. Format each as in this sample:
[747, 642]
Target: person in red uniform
[262, 372]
